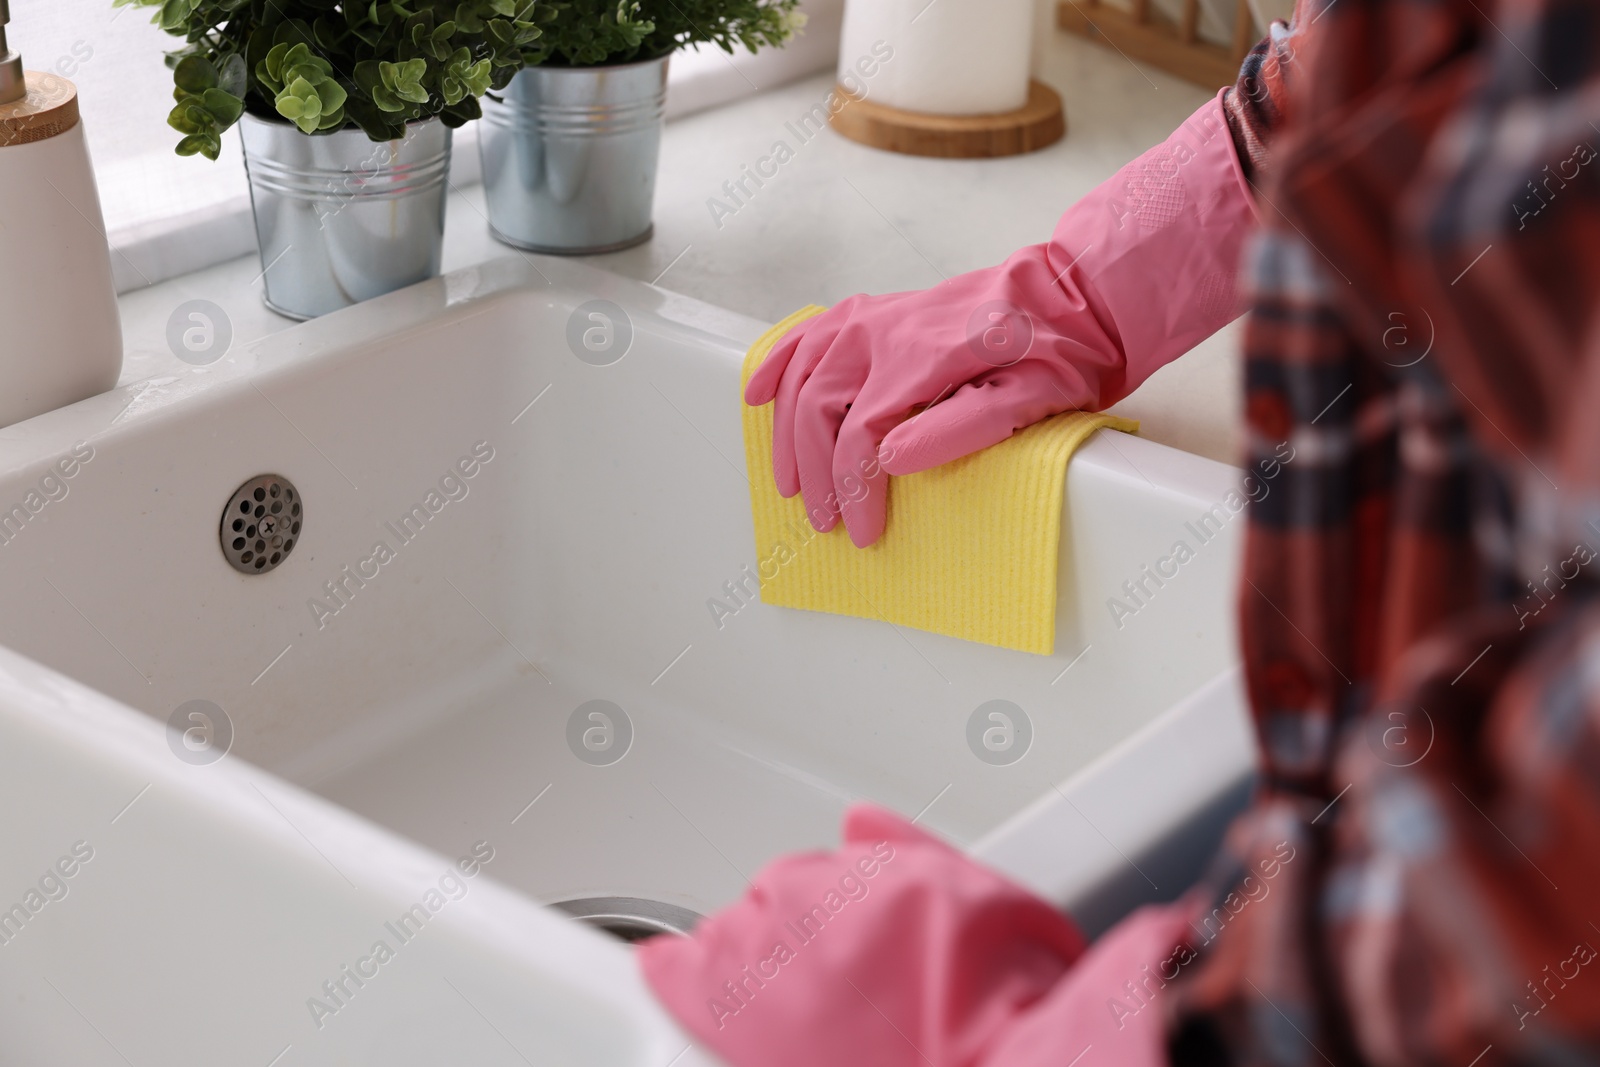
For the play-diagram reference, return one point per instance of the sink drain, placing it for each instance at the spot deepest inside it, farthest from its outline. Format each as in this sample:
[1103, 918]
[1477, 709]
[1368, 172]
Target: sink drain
[261, 524]
[630, 918]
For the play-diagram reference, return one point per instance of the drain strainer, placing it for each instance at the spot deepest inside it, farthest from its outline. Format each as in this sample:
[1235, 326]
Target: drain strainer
[630, 918]
[261, 524]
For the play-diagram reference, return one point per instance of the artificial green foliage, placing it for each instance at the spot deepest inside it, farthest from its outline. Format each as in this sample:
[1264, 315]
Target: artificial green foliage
[586, 33]
[304, 87]
[331, 64]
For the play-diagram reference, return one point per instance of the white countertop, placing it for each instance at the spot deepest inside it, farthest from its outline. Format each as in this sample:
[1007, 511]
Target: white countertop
[837, 219]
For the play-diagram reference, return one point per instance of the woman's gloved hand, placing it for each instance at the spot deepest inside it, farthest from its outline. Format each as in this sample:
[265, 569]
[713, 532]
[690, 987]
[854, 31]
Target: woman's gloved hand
[1137, 273]
[1109, 1009]
[896, 951]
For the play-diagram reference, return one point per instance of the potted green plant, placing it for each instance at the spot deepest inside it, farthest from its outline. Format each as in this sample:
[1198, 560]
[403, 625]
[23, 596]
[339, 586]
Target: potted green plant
[570, 146]
[345, 111]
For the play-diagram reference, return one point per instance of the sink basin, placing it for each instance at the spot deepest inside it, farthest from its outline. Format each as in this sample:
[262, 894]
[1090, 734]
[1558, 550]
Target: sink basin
[496, 633]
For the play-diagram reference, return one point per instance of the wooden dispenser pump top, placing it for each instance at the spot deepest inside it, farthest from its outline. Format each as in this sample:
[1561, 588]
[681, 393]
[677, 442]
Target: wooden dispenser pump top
[33, 106]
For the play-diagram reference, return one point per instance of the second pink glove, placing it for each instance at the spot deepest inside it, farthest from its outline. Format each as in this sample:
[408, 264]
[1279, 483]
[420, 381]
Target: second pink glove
[896, 951]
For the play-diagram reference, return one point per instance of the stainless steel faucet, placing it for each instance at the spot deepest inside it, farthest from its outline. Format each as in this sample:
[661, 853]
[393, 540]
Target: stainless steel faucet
[13, 86]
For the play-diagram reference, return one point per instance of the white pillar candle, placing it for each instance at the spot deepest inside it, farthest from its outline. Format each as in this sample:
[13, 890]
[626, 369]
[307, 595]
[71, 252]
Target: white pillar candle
[945, 57]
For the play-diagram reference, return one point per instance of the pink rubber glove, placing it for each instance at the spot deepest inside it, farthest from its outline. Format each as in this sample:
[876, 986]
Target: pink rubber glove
[1137, 273]
[895, 951]
[1107, 1011]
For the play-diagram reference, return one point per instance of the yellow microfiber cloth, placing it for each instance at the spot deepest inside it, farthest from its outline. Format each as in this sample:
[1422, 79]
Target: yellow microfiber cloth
[970, 550]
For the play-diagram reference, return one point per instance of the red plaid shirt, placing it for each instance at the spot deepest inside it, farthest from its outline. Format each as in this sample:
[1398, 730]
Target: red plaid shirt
[1420, 615]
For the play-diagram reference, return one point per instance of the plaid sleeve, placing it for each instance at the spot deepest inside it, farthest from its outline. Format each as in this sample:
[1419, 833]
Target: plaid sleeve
[1256, 104]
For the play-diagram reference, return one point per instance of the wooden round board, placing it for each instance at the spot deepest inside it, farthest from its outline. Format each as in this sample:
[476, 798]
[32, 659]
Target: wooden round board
[1032, 126]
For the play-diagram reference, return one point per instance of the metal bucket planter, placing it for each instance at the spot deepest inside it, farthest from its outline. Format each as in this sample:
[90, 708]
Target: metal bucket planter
[569, 156]
[341, 218]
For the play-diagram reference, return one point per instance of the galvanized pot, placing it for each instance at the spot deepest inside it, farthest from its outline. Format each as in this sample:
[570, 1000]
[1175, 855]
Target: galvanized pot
[341, 218]
[569, 156]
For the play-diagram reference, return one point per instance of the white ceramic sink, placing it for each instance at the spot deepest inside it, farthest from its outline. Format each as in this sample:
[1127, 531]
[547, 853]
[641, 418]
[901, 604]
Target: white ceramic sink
[384, 734]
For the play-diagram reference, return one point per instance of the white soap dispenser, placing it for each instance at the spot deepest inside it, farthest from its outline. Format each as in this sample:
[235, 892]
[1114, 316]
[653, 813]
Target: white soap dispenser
[60, 335]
